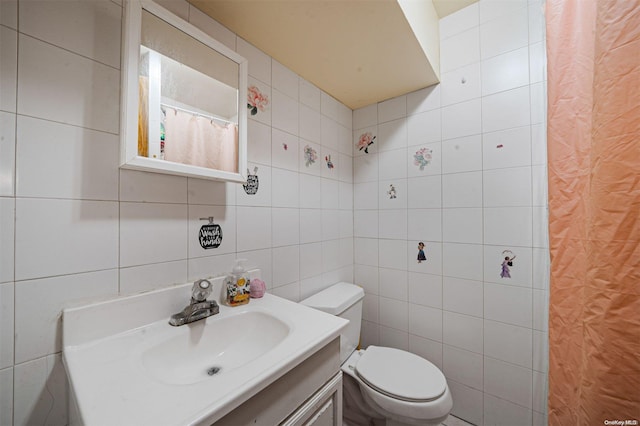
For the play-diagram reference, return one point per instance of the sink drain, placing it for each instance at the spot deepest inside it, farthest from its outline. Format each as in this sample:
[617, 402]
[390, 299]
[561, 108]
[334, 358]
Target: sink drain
[213, 370]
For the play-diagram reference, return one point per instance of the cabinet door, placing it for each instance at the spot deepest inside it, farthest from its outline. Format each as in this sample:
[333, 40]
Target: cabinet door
[324, 408]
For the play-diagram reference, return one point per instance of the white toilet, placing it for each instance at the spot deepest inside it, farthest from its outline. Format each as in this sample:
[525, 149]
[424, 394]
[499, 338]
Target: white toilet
[382, 386]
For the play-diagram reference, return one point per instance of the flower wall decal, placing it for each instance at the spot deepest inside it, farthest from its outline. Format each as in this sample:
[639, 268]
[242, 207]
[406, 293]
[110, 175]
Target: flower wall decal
[366, 140]
[422, 157]
[310, 156]
[256, 100]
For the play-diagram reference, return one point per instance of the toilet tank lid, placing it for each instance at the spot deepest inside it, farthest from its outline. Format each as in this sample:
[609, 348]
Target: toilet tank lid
[335, 299]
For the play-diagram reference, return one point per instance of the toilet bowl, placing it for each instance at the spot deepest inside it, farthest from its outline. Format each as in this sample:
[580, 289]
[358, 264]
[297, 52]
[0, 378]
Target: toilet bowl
[382, 386]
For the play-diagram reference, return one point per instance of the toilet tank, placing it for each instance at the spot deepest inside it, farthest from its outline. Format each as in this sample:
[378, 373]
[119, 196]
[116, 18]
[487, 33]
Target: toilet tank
[343, 300]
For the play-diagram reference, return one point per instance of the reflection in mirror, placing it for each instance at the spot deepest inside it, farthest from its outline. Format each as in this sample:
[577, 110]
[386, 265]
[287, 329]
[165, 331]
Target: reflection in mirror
[189, 119]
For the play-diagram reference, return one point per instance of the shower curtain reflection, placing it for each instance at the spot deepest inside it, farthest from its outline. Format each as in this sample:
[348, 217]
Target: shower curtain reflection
[200, 141]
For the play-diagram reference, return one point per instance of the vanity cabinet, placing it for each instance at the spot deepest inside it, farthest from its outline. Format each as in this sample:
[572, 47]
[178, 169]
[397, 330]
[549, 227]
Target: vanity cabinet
[309, 394]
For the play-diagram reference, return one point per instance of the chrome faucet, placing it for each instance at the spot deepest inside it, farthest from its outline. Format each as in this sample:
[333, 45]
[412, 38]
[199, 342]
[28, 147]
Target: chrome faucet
[199, 307]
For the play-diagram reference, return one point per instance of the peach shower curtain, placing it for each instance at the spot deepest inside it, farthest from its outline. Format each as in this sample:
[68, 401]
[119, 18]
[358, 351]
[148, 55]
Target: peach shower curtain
[593, 51]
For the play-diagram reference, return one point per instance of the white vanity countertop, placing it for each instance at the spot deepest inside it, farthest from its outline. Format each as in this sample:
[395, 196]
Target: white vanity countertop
[104, 344]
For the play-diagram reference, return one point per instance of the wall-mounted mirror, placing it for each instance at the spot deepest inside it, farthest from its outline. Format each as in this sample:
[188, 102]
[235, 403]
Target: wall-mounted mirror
[181, 108]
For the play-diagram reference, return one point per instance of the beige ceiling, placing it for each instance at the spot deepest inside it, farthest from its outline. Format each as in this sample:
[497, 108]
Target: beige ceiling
[359, 51]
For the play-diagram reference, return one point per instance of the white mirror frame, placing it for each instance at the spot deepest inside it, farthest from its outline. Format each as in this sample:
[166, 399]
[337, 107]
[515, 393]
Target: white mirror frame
[129, 158]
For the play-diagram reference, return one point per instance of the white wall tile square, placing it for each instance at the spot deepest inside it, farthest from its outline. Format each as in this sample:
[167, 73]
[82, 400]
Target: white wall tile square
[462, 261]
[392, 254]
[507, 187]
[537, 62]
[152, 233]
[386, 192]
[498, 411]
[211, 266]
[370, 308]
[425, 192]
[540, 228]
[204, 191]
[462, 84]
[508, 226]
[462, 189]
[9, 13]
[536, 22]
[285, 227]
[328, 132]
[367, 278]
[284, 150]
[392, 164]
[425, 321]
[259, 62]
[393, 284]
[345, 163]
[311, 225]
[310, 260]
[258, 142]
[539, 185]
[394, 314]
[310, 286]
[462, 296]
[252, 234]
[427, 349]
[330, 224]
[136, 279]
[462, 119]
[80, 91]
[459, 21]
[462, 225]
[6, 325]
[40, 330]
[505, 110]
[424, 127]
[462, 331]
[392, 109]
[7, 153]
[309, 94]
[508, 304]
[540, 356]
[328, 106]
[460, 50]
[392, 135]
[424, 224]
[365, 117]
[496, 8]
[462, 154]
[423, 100]
[310, 124]
[285, 187]
[7, 239]
[508, 343]
[365, 168]
[310, 191]
[506, 71]
[177, 7]
[392, 338]
[40, 392]
[288, 291]
[539, 102]
[80, 236]
[147, 187]
[284, 80]
[507, 148]
[284, 112]
[425, 289]
[463, 366]
[365, 223]
[504, 34]
[8, 67]
[286, 265]
[6, 390]
[467, 402]
[508, 381]
[61, 24]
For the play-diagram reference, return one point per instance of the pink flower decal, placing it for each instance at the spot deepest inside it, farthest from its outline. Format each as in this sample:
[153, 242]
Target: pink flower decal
[422, 157]
[256, 100]
[366, 139]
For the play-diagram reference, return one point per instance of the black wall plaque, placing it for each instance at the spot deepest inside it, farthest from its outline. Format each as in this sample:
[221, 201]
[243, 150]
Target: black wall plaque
[210, 236]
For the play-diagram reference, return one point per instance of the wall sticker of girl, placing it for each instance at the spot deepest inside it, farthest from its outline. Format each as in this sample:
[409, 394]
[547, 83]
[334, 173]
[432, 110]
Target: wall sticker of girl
[506, 263]
[421, 255]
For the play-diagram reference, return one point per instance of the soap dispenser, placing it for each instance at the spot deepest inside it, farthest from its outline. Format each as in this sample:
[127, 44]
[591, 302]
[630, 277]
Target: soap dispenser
[237, 285]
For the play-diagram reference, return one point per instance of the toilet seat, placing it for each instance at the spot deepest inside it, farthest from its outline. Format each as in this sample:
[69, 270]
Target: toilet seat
[400, 375]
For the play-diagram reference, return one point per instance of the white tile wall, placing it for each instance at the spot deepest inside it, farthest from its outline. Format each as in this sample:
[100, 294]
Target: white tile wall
[75, 227]
[483, 193]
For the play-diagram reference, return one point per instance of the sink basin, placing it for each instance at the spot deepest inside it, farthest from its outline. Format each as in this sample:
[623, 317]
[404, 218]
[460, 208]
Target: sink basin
[127, 366]
[197, 352]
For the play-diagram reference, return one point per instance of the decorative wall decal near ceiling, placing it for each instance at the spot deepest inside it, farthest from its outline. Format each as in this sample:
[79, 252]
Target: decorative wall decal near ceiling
[500, 146]
[210, 236]
[285, 146]
[421, 255]
[327, 158]
[256, 100]
[422, 158]
[506, 263]
[392, 192]
[366, 140]
[310, 155]
[251, 187]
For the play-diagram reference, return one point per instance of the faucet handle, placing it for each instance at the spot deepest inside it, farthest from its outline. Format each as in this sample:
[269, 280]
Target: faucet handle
[201, 290]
